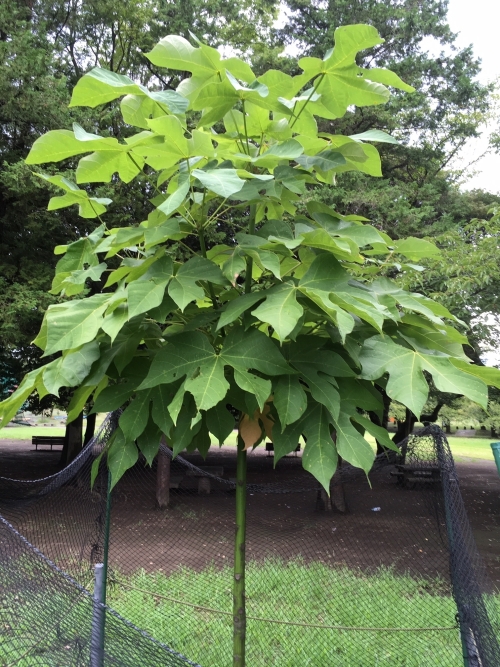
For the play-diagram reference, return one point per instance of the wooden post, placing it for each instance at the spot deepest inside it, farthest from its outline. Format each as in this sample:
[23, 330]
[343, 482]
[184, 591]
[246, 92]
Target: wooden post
[163, 477]
[337, 489]
[73, 442]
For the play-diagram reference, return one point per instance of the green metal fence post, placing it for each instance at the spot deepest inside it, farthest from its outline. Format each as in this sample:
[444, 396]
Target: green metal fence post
[495, 446]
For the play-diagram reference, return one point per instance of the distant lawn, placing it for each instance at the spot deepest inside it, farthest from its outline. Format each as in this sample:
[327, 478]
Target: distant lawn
[462, 448]
[26, 432]
[471, 448]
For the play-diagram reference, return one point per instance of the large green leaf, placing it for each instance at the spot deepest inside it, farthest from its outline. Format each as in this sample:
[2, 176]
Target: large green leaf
[71, 369]
[377, 432]
[175, 52]
[351, 445]
[220, 422]
[290, 399]
[58, 145]
[144, 295]
[122, 455]
[182, 355]
[88, 207]
[374, 135]
[342, 82]
[280, 309]
[149, 441]
[161, 397]
[238, 306]
[113, 397]
[74, 323]
[416, 249]
[254, 385]
[134, 419]
[320, 455]
[490, 376]
[405, 366]
[10, 406]
[184, 288]
[99, 167]
[100, 86]
[253, 349]
[208, 385]
[223, 182]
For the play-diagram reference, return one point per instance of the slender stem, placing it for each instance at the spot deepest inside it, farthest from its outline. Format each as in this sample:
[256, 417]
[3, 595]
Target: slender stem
[316, 86]
[251, 230]
[246, 130]
[203, 248]
[239, 611]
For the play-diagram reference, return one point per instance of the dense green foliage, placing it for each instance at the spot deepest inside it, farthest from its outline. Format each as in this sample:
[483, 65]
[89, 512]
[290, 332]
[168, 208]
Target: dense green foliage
[45, 47]
[291, 321]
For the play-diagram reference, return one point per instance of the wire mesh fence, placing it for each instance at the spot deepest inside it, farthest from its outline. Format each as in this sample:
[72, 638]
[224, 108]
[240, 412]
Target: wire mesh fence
[383, 572]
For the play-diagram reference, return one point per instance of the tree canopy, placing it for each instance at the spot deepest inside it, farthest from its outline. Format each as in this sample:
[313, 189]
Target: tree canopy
[293, 322]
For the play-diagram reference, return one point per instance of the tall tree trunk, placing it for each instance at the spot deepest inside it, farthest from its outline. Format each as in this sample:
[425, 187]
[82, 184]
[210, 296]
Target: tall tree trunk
[89, 428]
[406, 427]
[73, 441]
[239, 611]
[163, 477]
[381, 421]
[337, 489]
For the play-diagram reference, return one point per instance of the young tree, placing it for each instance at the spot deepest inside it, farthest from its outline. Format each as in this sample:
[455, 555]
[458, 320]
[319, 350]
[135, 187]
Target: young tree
[291, 322]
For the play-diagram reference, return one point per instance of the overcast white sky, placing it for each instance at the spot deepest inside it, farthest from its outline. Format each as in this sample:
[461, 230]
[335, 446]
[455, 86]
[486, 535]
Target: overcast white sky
[477, 24]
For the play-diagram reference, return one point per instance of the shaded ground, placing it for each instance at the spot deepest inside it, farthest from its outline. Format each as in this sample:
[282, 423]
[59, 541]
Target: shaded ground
[198, 530]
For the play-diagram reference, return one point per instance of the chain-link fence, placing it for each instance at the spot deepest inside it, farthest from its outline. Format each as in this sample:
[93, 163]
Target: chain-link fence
[383, 572]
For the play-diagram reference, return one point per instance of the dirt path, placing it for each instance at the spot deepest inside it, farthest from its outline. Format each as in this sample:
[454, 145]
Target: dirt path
[479, 482]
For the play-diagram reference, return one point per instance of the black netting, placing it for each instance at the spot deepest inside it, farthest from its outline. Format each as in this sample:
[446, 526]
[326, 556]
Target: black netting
[383, 575]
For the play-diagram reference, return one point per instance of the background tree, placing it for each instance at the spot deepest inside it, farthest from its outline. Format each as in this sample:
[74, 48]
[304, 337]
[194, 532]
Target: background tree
[45, 47]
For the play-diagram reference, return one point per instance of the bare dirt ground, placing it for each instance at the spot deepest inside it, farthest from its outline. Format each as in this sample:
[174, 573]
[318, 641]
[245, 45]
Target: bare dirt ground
[197, 530]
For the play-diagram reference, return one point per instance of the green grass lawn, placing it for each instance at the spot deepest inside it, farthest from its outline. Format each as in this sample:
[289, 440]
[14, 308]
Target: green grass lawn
[26, 432]
[463, 449]
[471, 448]
[314, 594]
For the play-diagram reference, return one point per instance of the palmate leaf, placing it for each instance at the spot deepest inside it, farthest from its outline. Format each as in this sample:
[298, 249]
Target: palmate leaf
[320, 454]
[220, 422]
[238, 306]
[100, 86]
[280, 309]
[135, 417]
[71, 369]
[208, 386]
[351, 445]
[149, 441]
[88, 207]
[74, 323]
[223, 182]
[342, 82]
[254, 385]
[407, 383]
[144, 295]
[290, 399]
[122, 455]
[183, 288]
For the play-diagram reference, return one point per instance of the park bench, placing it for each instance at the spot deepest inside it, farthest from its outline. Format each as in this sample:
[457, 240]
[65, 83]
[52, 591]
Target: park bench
[204, 485]
[409, 475]
[270, 448]
[52, 440]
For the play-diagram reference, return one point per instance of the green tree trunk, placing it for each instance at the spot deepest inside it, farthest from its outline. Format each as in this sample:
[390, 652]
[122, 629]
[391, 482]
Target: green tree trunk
[239, 612]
